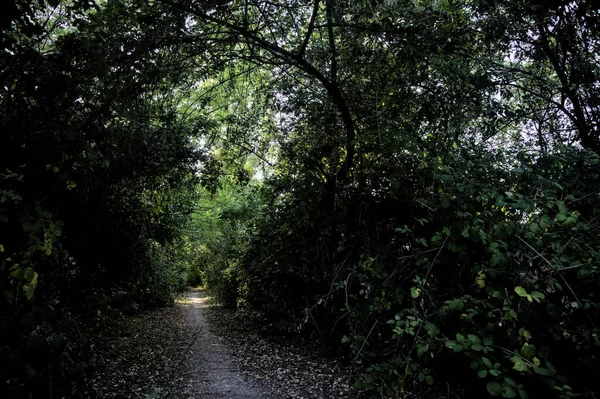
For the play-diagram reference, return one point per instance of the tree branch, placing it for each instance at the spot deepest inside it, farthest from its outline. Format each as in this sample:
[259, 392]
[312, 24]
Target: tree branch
[332, 49]
[332, 88]
[311, 27]
[579, 115]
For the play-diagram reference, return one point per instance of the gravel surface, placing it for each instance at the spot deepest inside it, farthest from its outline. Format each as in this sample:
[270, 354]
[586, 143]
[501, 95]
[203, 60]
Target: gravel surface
[198, 350]
[208, 371]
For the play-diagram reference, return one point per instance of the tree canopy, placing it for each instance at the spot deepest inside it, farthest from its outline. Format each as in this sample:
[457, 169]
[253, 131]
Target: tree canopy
[413, 182]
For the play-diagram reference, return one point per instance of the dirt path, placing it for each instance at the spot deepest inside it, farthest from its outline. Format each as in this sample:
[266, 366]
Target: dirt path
[208, 371]
[195, 350]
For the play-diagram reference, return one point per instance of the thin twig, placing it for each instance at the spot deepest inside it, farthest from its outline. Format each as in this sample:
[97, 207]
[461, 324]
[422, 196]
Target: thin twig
[365, 341]
[313, 319]
[436, 256]
[579, 265]
[553, 268]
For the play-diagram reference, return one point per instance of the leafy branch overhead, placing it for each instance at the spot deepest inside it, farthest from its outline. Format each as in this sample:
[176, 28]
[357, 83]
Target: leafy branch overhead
[412, 183]
[256, 34]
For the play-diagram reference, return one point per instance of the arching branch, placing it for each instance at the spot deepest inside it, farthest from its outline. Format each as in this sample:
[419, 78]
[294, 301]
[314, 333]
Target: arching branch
[301, 63]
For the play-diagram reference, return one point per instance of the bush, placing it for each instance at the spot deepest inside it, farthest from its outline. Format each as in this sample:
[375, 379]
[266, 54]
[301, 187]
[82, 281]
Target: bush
[488, 287]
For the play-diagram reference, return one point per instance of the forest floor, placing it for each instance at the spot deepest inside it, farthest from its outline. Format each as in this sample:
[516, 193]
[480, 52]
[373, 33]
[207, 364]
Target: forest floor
[196, 349]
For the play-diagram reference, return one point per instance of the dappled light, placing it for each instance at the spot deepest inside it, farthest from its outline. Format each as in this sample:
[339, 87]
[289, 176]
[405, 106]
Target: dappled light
[201, 301]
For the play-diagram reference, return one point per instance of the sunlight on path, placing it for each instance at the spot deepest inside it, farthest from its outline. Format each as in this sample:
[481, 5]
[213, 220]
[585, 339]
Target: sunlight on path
[190, 301]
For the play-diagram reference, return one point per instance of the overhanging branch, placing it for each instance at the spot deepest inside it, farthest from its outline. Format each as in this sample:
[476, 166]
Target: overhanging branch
[297, 60]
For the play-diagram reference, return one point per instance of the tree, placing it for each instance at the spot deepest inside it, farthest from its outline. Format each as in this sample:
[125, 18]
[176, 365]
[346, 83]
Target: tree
[98, 178]
[449, 203]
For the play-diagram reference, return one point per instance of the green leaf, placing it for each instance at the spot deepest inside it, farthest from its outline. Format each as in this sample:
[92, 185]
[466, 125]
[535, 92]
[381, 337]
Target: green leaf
[570, 221]
[473, 339]
[510, 382]
[537, 296]
[525, 334]
[528, 351]
[543, 371]
[456, 347]
[482, 373]
[29, 290]
[494, 388]
[17, 272]
[534, 227]
[519, 364]
[30, 276]
[422, 349]
[456, 304]
[508, 392]
[521, 291]
[486, 362]
[431, 330]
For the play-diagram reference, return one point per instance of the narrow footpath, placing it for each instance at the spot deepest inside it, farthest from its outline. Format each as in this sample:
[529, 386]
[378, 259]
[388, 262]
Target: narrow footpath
[208, 371]
[195, 349]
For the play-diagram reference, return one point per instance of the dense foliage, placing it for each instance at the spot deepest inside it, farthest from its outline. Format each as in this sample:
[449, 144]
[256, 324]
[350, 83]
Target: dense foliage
[97, 179]
[432, 207]
[413, 182]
